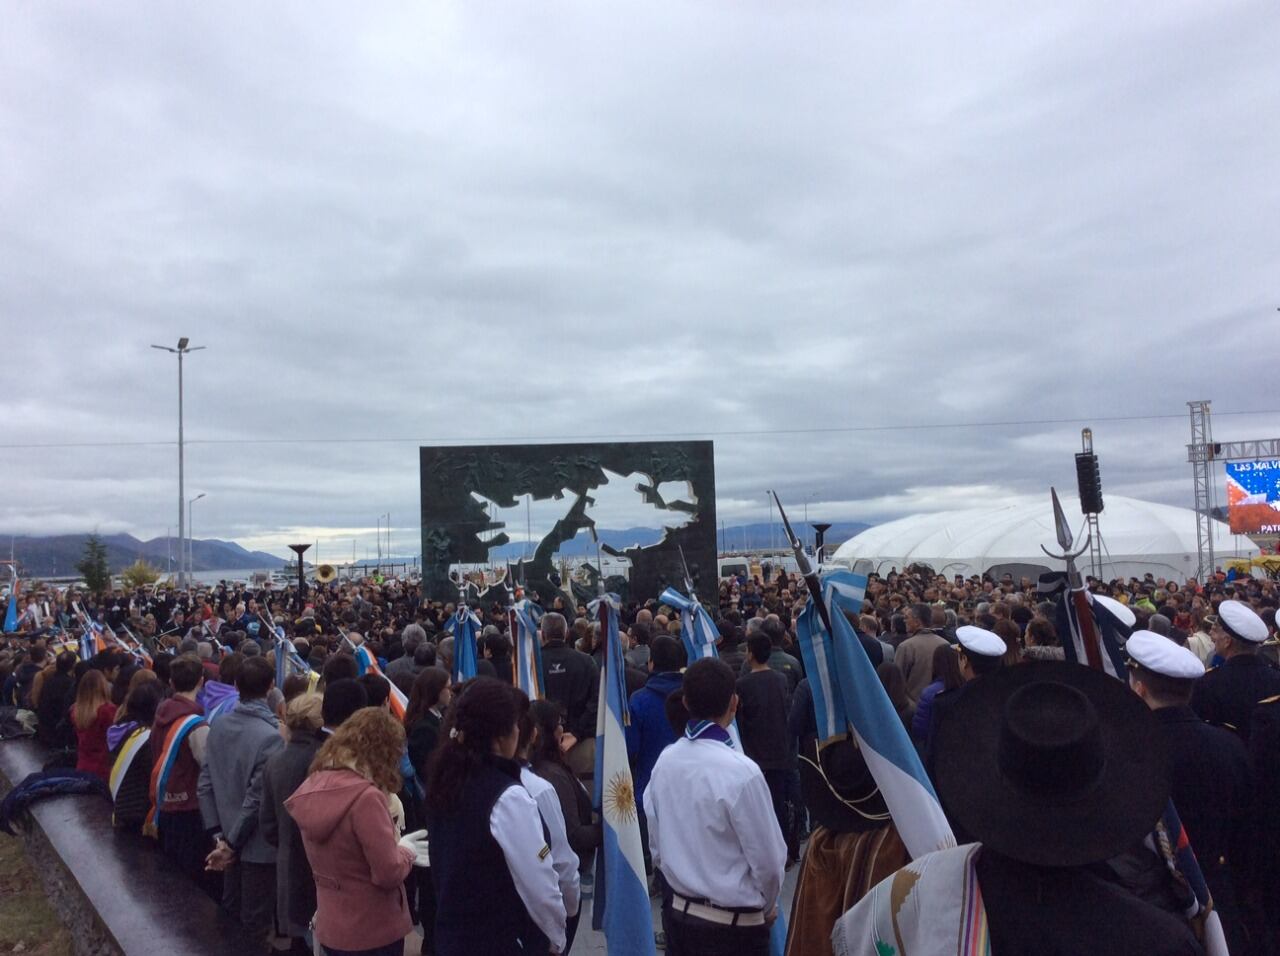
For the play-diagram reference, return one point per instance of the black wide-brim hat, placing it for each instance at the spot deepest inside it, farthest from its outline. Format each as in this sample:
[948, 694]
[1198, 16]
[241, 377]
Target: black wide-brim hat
[1052, 763]
[838, 788]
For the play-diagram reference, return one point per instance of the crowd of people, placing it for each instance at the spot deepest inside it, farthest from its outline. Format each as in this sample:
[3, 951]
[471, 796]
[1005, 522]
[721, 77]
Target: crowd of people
[315, 815]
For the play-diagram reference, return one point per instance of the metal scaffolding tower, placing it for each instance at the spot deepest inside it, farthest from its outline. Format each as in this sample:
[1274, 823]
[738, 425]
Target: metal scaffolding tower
[1200, 453]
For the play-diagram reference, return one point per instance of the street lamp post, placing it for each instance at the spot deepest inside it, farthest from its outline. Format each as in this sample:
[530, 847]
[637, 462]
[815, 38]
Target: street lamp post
[191, 563]
[182, 349]
[810, 497]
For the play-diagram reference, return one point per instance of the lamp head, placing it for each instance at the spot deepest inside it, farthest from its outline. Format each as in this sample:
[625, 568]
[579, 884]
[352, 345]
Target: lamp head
[182, 342]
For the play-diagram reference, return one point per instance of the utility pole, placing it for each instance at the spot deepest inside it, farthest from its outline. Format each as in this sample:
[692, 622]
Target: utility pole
[191, 558]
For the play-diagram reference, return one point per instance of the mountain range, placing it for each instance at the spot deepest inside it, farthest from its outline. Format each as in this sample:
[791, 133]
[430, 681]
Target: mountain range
[57, 555]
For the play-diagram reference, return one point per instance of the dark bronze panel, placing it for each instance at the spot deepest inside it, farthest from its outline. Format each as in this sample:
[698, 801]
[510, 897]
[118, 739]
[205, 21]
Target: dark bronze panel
[452, 520]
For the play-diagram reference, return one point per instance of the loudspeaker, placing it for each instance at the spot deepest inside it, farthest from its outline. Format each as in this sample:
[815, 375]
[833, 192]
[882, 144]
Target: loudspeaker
[1089, 481]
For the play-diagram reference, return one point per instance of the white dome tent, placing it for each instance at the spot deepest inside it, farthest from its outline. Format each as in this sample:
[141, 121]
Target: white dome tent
[1138, 537]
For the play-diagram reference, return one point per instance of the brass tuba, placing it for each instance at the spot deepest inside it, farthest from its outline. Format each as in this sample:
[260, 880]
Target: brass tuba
[326, 573]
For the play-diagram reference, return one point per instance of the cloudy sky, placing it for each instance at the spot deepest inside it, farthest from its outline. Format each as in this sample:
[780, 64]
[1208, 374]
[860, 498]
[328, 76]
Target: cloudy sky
[803, 234]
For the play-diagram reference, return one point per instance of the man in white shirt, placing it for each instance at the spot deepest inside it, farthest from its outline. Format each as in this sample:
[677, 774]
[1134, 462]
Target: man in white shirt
[712, 830]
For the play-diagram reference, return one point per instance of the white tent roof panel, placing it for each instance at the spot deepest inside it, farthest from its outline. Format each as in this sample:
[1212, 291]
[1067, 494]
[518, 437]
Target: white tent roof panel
[1138, 537]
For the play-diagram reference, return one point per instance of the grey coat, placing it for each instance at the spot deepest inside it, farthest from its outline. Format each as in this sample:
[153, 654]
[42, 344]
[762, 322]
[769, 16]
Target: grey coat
[230, 787]
[295, 886]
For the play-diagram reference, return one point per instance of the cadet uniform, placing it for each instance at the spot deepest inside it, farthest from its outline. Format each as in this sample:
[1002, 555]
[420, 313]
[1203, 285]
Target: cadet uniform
[1264, 748]
[975, 642]
[1210, 775]
[1227, 695]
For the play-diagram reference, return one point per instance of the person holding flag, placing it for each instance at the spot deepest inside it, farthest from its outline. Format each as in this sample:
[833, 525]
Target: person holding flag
[621, 906]
[523, 616]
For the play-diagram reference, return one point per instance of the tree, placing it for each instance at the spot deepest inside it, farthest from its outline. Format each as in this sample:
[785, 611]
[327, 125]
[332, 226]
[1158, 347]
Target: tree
[93, 566]
[139, 574]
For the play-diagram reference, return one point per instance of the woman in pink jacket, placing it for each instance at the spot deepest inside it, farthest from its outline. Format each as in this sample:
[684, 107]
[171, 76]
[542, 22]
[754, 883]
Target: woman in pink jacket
[357, 856]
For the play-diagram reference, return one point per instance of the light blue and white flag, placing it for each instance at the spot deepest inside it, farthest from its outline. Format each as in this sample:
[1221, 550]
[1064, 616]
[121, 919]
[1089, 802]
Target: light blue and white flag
[621, 906]
[11, 614]
[697, 630]
[844, 590]
[288, 660]
[464, 626]
[526, 615]
[848, 696]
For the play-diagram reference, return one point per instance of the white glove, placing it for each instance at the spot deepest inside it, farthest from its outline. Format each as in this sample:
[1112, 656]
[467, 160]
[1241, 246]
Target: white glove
[417, 844]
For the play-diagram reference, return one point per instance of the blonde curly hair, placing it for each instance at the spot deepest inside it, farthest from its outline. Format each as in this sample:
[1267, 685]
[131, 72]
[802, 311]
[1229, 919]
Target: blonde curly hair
[370, 743]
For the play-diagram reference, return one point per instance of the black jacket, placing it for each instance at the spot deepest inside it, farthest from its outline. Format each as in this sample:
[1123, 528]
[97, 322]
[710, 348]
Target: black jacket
[478, 909]
[57, 694]
[583, 832]
[295, 886]
[133, 800]
[1212, 790]
[1264, 843]
[763, 704]
[1227, 695]
[423, 737]
[1067, 911]
[572, 682]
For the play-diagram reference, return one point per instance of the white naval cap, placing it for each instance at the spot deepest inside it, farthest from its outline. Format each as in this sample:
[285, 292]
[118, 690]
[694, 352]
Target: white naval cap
[1242, 622]
[1160, 655]
[980, 641]
[1121, 612]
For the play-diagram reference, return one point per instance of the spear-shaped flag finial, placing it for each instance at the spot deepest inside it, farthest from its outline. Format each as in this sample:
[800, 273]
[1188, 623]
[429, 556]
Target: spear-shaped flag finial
[807, 571]
[1065, 538]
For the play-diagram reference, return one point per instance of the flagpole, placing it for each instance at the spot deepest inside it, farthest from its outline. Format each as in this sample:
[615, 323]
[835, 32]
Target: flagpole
[811, 579]
[1075, 584]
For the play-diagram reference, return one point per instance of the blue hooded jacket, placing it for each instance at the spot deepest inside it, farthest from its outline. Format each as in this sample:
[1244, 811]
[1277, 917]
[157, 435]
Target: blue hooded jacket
[650, 732]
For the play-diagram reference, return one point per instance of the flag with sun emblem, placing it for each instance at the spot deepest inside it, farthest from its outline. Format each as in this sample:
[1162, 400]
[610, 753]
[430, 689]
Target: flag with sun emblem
[621, 908]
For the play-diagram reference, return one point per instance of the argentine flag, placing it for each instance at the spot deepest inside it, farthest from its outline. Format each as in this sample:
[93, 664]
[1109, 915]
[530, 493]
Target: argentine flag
[621, 905]
[697, 630]
[525, 614]
[464, 626]
[848, 696]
